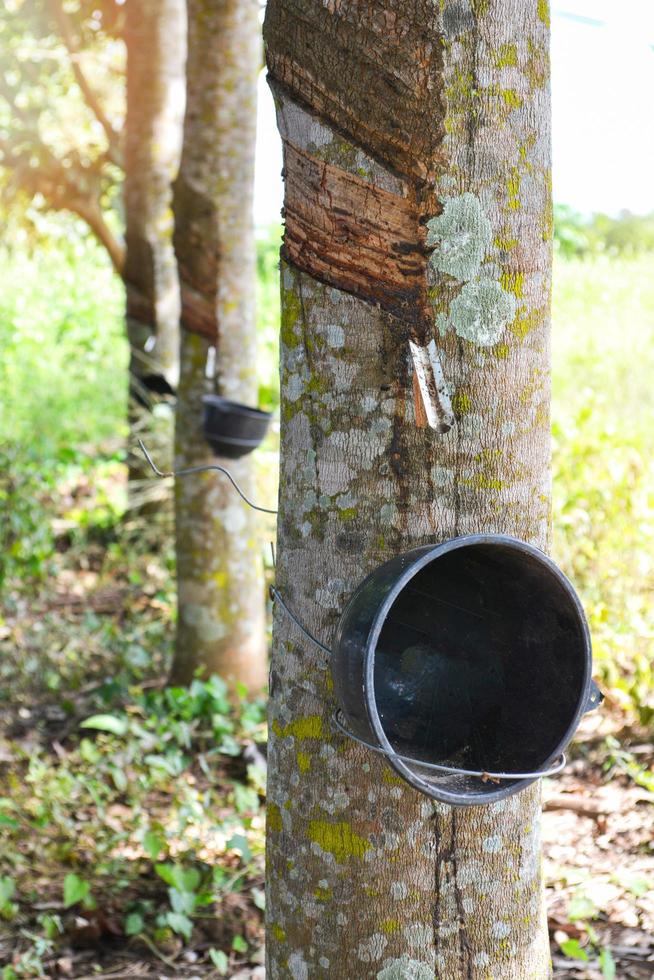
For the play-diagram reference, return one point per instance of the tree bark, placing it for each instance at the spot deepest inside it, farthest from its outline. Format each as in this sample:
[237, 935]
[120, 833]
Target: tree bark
[219, 570]
[417, 204]
[155, 35]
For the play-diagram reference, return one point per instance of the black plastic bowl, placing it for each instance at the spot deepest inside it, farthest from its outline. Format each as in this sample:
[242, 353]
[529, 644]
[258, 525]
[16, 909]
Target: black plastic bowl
[475, 654]
[232, 429]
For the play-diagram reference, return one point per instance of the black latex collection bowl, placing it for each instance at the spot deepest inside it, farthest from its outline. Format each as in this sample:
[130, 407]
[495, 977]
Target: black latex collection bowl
[474, 653]
[232, 429]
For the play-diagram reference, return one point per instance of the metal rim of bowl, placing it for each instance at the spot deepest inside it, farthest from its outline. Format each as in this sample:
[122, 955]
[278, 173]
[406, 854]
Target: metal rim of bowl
[455, 544]
[217, 401]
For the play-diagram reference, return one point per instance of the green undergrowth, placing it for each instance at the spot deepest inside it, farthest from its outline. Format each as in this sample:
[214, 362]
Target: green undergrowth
[603, 412]
[133, 811]
[145, 827]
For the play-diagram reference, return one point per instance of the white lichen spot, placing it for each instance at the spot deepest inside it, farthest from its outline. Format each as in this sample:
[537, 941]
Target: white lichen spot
[297, 966]
[337, 800]
[335, 335]
[323, 962]
[470, 873]
[442, 323]
[469, 905]
[481, 311]
[481, 959]
[202, 621]
[472, 424]
[418, 935]
[326, 856]
[492, 844]
[234, 518]
[412, 832]
[399, 891]
[405, 968]
[368, 403]
[288, 277]
[442, 477]
[372, 949]
[294, 387]
[460, 237]
[387, 513]
[500, 930]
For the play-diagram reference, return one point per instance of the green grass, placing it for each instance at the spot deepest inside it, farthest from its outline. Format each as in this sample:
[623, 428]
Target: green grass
[63, 373]
[603, 424]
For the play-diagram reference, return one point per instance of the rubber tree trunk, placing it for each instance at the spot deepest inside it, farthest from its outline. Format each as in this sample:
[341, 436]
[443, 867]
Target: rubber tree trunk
[219, 569]
[155, 36]
[417, 204]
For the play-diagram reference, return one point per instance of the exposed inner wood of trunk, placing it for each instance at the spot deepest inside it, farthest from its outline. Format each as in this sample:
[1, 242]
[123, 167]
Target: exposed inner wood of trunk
[351, 234]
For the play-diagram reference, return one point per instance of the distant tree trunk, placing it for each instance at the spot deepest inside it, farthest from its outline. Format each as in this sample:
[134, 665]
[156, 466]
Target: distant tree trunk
[219, 568]
[417, 201]
[155, 36]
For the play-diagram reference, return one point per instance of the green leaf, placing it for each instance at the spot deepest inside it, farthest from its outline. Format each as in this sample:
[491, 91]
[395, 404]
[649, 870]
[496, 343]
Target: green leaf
[239, 844]
[115, 724]
[119, 778]
[89, 751]
[638, 885]
[7, 889]
[182, 902]
[572, 949]
[166, 872]
[190, 879]
[8, 909]
[259, 898]
[239, 944]
[245, 798]
[607, 964]
[75, 890]
[51, 924]
[220, 960]
[153, 844]
[581, 907]
[134, 924]
[180, 924]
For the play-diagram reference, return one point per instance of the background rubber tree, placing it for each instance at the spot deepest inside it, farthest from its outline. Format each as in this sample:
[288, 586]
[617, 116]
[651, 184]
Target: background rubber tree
[115, 137]
[220, 624]
[155, 37]
[417, 205]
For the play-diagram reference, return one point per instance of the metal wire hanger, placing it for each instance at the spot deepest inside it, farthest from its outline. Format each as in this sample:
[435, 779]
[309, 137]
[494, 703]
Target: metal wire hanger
[338, 717]
[187, 471]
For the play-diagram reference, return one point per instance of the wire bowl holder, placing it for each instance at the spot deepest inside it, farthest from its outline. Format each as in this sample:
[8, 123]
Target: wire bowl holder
[447, 708]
